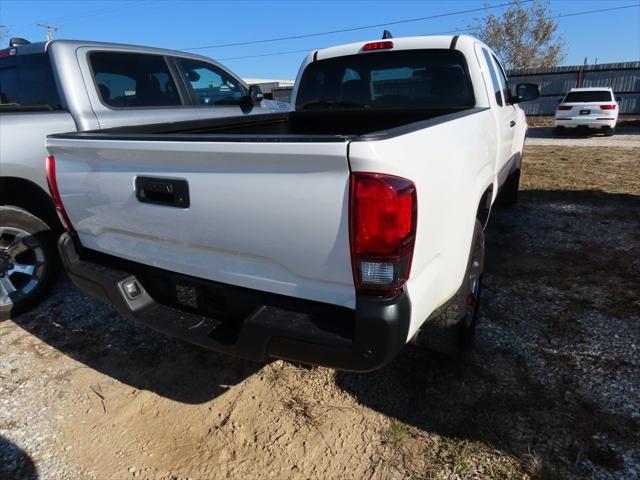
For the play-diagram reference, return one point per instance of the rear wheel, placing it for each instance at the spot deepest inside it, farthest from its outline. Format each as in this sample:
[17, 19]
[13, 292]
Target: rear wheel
[608, 131]
[28, 260]
[451, 328]
[558, 131]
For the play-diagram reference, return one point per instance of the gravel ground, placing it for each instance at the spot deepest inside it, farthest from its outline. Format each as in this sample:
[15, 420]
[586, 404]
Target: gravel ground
[551, 388]
[625, 136]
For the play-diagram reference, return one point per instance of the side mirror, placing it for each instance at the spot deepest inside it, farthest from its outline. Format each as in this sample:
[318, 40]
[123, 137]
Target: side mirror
[255, 94]
[618, 99]
[525, 92]
[192, 75]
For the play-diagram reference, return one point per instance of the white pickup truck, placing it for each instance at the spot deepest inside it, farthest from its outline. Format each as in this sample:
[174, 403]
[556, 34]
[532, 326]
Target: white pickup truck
[332, 234]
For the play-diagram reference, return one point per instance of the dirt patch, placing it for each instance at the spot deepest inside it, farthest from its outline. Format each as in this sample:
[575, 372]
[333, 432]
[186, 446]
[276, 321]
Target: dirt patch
[551, 388]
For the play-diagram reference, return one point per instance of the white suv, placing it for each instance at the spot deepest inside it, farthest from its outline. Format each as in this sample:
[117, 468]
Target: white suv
[594, 107]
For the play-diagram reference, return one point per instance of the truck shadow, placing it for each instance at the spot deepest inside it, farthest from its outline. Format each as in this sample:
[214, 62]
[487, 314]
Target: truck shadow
[524, 387]
[15, 462]
[547, 132]
[92, 333]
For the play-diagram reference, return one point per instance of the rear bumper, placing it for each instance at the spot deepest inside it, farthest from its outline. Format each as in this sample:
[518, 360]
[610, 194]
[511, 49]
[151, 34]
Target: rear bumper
[585, 121]
[244, 322]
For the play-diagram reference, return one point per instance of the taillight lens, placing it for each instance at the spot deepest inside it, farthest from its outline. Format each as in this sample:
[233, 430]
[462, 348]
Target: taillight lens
[383, 216]
[377, 46]
[564, 107]
[55, 193]
[607, 107]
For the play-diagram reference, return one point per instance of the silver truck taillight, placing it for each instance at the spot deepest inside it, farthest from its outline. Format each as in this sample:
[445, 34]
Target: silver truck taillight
[55, 193]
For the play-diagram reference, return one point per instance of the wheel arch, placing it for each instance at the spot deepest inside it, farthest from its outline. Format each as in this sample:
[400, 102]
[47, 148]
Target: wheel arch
[484, 206]
[30, 197]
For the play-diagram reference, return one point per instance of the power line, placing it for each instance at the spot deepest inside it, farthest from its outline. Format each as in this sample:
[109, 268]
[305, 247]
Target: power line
[462, 30]
[132, 6]
[353, 29]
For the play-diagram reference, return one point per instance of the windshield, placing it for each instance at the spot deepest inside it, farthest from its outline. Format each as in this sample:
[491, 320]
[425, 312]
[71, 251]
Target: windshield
[589, 96]
[402, 79]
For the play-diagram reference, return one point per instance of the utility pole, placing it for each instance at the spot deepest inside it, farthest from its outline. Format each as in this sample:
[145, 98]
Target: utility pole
[50, 30]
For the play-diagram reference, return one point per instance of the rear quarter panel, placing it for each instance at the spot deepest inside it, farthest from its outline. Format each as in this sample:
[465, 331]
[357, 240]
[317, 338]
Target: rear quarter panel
[22, 143]
[451, 164]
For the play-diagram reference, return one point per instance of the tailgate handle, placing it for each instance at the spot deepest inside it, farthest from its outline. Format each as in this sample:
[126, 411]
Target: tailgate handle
[163, 191]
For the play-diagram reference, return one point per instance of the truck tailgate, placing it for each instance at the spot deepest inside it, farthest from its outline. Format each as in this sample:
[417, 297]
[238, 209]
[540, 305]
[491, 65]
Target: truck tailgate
[271, 216]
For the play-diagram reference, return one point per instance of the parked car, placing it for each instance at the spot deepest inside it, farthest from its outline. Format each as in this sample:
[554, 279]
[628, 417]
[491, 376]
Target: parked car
[64, 85]
[332, 234]
[595, 107]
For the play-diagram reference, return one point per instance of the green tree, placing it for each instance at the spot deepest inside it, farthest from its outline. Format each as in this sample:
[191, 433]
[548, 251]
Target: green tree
[524, 36]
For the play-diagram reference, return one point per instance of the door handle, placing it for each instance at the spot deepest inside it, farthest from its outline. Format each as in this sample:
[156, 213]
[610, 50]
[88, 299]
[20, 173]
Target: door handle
[512, 123]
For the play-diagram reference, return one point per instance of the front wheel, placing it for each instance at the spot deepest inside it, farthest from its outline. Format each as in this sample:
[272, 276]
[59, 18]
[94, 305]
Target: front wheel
[28, 261]
[451, 329]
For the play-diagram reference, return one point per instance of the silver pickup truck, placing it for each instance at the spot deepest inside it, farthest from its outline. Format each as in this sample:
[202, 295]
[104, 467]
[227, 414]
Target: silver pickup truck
[62, 86]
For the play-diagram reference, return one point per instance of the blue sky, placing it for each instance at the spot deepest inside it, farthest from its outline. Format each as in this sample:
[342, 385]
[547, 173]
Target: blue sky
[608, 36]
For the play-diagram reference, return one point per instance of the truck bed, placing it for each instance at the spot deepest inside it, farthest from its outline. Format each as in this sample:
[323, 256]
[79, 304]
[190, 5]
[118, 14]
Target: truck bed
[299, 126]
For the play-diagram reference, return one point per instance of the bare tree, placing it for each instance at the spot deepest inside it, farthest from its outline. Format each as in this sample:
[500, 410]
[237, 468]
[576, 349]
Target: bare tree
[4, 34]
[524, 36]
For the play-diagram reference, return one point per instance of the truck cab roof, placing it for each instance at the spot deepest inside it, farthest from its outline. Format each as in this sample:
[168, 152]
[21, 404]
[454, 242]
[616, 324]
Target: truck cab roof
[71, 45]
[400, 43]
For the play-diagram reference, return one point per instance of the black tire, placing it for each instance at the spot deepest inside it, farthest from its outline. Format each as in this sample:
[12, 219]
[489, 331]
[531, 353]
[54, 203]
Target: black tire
[29, 261]
[508, 194]
[451, 328]
[558, 131]
[608, 131]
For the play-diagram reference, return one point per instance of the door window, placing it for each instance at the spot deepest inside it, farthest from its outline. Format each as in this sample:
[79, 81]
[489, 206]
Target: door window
[504, 83]
[210, 84]
[497, 88]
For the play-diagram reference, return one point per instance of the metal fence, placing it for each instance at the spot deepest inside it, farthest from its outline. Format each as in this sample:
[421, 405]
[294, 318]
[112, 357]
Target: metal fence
[624, 78]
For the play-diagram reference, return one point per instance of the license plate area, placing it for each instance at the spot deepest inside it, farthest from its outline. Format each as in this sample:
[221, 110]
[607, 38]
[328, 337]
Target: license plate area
[585, 112]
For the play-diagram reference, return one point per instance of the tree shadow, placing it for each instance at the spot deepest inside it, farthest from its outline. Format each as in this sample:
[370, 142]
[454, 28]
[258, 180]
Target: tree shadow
[92, 333]
[520, 388]
[15, 463]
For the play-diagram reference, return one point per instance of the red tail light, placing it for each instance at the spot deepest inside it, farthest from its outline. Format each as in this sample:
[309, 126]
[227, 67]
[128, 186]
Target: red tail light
[7, 52]
[607, 107]
[377, 46]
[55, 193]
[564, 107]
[383, 213]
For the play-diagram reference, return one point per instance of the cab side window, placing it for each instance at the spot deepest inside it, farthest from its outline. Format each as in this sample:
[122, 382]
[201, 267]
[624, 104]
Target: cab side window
[132, 80]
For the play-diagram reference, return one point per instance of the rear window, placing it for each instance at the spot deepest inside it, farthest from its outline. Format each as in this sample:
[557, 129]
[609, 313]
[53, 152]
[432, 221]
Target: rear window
[402, 79]
[27, 81]
[130, 80]
[594, 96]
